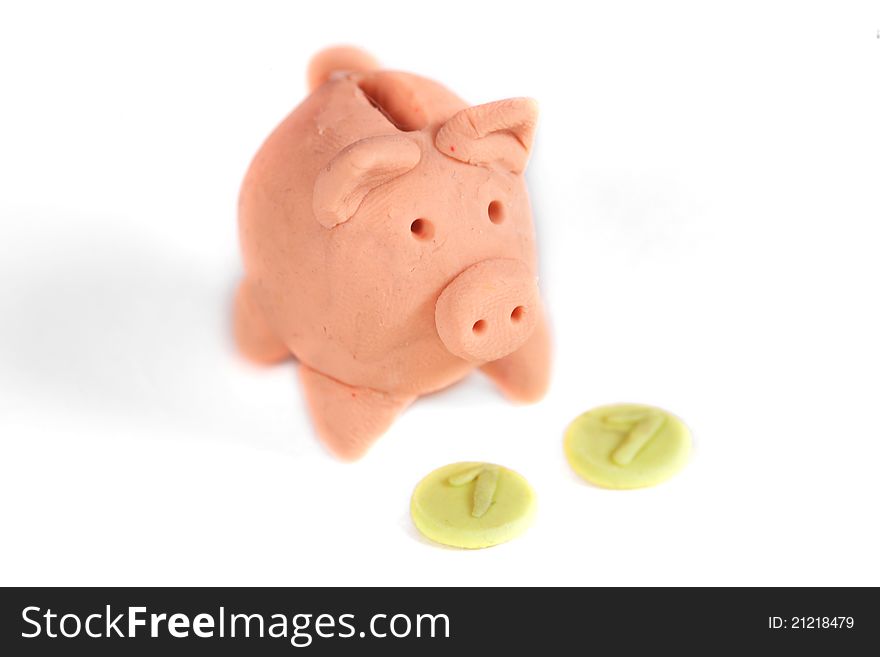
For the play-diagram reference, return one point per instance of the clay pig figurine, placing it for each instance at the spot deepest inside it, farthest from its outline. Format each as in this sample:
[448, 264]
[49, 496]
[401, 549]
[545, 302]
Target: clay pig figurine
[388, 246]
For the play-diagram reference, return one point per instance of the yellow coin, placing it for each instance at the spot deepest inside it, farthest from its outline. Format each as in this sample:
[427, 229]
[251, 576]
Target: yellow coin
[627, 445]
[472, 505]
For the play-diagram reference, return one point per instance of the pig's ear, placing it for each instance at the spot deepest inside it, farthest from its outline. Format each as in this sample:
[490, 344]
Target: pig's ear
[342, 185]
[496, 133]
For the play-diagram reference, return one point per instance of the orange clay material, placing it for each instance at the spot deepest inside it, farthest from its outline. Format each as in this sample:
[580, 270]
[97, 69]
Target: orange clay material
[388, 245]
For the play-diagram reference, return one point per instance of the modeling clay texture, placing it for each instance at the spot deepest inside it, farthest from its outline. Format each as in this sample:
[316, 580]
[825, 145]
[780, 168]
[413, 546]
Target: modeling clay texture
[388, 246]
[472, 505]
[627, 446]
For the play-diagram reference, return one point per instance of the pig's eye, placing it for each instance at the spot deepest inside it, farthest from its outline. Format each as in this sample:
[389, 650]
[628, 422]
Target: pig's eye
[496, 212]
[422, 229]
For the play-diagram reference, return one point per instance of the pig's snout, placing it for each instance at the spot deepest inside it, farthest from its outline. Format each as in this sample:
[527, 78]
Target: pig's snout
[488, 311]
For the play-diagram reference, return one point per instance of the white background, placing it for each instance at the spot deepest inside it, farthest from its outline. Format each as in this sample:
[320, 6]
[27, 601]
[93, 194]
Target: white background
[706, 187]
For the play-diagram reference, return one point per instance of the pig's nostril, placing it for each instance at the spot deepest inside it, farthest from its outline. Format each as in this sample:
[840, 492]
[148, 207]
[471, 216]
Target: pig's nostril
[517, 314]
[422, 229]
[480, 327]
[496, 212]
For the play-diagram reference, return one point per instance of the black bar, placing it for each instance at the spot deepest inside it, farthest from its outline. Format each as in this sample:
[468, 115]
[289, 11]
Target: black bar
[540, 620]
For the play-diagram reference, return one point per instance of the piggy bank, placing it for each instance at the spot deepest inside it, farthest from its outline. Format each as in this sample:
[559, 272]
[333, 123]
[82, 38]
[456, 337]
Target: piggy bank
[388, 247]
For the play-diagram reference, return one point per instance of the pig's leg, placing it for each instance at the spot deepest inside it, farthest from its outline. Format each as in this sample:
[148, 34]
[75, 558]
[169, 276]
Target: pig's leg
[524, 375]
[348, 419]
[253, 337]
